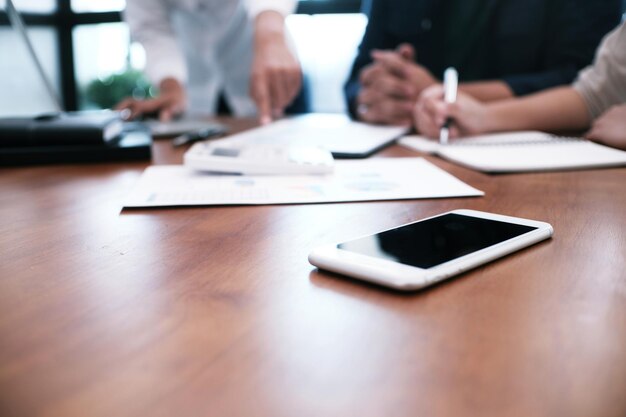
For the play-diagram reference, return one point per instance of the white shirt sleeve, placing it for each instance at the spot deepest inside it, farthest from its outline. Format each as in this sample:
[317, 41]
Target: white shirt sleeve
[149, 25]
[603, 84]
[284, 7]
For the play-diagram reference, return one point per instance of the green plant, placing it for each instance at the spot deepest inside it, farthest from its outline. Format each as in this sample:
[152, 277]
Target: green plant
[107, 92]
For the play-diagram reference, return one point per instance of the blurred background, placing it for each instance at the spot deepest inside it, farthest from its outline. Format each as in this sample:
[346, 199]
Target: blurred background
[87, 52]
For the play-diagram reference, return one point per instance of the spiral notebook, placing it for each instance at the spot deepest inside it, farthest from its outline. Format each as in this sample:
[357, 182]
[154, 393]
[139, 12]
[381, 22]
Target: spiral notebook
[521, 152]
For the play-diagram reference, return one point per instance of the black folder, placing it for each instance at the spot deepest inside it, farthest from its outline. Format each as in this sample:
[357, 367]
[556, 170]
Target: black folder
[72, 138]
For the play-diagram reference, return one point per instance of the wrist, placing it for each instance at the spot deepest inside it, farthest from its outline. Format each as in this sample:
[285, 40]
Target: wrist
[269, 26]
[172, 95]
[170, 86]
[495, 118]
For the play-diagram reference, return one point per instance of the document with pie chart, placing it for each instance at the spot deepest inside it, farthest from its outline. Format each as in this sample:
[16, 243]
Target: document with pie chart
[353, 180]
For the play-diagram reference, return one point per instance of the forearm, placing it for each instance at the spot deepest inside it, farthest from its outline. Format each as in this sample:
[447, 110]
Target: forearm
[487, 91]
[559, 109]
[269, 25]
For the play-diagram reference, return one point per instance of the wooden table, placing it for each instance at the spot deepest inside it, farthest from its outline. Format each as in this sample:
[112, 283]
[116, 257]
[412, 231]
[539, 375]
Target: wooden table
[216, 312]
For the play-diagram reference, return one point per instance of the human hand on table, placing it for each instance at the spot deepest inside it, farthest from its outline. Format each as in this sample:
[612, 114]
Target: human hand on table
[170, 103]
[470, 117]
[610, 128]
[391, 85]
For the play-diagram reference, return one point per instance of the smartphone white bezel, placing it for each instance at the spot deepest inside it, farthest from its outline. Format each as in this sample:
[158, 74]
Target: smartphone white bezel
[406, 278]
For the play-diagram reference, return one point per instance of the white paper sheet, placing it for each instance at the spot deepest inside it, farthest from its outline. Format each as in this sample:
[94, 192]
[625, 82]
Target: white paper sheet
[358, 180]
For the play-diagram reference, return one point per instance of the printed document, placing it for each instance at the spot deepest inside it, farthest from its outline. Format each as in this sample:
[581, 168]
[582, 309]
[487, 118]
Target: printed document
[354, 180]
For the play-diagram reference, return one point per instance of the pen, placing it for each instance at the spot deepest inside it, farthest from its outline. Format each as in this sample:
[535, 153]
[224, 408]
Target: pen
[450, 86]
[202, 134]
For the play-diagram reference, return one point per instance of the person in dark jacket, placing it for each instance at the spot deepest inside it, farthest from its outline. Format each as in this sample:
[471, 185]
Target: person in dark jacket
[501, 49]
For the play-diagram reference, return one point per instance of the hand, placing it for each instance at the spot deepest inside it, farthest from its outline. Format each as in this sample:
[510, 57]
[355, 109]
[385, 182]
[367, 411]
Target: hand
[391, 85]
[469, 116]
[276, 74]
[401, 63]
[610, 128]
[170, 102]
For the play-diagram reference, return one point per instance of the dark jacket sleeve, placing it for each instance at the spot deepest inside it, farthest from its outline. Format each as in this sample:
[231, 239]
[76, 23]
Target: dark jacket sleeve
[575, 29]
[374, 37]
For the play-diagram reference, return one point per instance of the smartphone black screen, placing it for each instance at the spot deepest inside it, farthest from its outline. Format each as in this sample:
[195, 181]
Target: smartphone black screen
[434, 241]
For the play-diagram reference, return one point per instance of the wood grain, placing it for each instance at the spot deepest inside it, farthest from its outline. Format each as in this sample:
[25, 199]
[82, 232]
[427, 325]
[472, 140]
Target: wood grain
[215, 311]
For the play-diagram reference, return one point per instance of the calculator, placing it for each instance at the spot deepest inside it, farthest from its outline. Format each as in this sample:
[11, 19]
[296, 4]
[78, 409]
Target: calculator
[258, 159]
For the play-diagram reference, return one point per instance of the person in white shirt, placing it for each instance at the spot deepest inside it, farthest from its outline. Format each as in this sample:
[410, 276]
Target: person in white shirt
[199, 50]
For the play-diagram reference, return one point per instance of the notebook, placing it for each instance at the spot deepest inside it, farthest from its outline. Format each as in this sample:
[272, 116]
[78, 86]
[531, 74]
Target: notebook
[521, 152]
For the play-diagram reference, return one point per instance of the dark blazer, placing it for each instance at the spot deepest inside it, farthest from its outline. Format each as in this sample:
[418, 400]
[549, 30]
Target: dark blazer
[533, 44]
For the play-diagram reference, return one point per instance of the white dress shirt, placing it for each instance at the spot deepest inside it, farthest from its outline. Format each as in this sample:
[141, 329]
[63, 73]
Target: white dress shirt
[205, 44]
[603, 84]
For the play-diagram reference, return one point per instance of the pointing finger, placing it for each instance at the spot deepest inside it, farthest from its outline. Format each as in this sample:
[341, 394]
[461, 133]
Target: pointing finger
[260, 95]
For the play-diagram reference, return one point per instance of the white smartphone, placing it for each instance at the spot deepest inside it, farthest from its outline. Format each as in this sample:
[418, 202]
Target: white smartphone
[422, 253]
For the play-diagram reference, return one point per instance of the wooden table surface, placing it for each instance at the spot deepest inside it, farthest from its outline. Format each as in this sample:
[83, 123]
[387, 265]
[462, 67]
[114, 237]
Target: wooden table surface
[215, 311]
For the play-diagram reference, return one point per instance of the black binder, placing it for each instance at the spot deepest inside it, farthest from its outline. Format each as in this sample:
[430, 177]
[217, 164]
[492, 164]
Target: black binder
[55, 129]
[72, 138]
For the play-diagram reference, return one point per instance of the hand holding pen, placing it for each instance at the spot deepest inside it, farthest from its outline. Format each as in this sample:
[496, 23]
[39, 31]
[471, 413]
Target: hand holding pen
[441, 116]
[450, 86]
